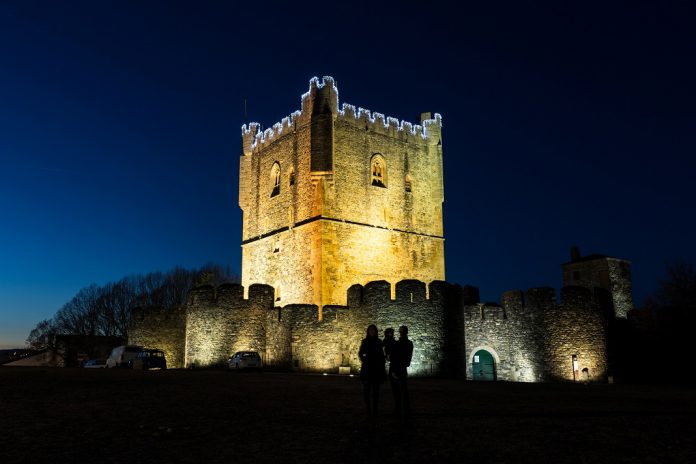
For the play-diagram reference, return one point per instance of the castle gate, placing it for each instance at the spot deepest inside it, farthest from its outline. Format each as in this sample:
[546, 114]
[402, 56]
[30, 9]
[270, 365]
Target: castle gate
[483, 366]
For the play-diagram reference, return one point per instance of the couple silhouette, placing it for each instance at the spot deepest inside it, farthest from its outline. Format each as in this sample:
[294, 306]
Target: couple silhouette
[374, 354]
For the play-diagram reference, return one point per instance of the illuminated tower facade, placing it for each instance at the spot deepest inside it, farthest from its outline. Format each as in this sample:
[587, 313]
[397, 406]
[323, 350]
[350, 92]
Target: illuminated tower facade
[335, 196]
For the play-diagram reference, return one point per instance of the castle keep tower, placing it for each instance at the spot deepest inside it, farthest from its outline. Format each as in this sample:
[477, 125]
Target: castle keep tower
[335, 196]
[342, 227]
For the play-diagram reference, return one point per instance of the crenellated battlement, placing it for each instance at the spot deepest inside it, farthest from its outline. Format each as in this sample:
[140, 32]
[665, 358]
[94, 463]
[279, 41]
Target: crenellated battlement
[231, 296]
[531, 332]
[534, 302]
[428, 130]
[408, 291]
[253, 137]
[484, 312]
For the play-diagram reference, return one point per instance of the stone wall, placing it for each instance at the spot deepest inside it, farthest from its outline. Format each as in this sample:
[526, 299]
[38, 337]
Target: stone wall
[372, 304]
[291, 257]
[575, 327]
[531, 337]
[157, 328]
[621, 286]
[358, 139]
[353, 253]
[610, 274]
[324, 345]
[511, 333]
[316, 345]
[221, 322]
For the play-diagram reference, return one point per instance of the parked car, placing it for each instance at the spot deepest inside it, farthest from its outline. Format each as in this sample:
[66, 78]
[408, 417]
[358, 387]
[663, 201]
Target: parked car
[122, 355]
[245, 360]
[95, 364]
[149, 359]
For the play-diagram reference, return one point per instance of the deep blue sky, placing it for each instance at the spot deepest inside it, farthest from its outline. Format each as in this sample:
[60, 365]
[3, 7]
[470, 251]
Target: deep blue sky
[120, 139]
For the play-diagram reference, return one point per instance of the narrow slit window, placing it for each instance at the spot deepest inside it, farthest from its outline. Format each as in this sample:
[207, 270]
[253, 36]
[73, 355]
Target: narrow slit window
[275, 179]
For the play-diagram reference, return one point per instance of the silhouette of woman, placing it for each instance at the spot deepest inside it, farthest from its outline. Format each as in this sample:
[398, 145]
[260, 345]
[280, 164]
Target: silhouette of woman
[372, 372]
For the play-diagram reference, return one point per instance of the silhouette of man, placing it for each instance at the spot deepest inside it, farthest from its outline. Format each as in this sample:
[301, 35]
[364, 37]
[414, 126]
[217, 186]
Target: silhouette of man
[401, 355]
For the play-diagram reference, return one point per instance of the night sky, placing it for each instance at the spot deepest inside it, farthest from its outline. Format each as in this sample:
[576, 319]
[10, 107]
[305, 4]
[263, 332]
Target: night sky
[120, 131]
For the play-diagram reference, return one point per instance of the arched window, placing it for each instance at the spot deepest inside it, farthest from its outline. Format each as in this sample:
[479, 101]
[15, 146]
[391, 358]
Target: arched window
[292, 177]
[378, 171]
[275, 179]
[408, 183]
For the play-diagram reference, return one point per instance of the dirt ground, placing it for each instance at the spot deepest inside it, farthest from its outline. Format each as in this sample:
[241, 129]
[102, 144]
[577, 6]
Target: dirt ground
[120, 416]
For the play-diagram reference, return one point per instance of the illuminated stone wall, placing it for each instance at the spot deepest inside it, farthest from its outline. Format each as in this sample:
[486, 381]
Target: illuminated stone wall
[575, 326]
[512, 333]
[325, 226]
[291, 258]
[315, 345]
[324, 345]
[425, 318]
[155, 328]
[221, 322]
[533, 338]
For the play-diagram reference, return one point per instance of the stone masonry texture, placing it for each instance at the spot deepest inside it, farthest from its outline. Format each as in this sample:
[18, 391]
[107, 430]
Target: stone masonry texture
[327, 226]
[326, 251]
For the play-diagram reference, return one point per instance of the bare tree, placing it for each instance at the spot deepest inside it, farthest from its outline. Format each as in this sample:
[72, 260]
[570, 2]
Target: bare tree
[678, 288]
[106, 310]
[41, 336]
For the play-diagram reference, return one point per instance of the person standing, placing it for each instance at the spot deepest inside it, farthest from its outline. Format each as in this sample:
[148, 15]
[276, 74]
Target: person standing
[372, 372]
[389, 344]
[401, 356]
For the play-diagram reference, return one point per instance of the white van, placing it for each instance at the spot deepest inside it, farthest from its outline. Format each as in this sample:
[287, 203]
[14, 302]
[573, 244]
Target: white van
[122, 354]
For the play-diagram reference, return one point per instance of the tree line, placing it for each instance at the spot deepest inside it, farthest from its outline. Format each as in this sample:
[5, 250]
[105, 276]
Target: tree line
[106, 309]
[653, 345]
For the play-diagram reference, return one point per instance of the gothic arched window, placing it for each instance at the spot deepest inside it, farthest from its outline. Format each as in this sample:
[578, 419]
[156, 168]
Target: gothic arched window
[408, 183]
[275, 179]
[378, 171]
[292, 176]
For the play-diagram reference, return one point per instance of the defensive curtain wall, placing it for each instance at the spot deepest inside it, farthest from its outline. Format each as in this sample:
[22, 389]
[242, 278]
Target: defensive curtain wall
[530, 336]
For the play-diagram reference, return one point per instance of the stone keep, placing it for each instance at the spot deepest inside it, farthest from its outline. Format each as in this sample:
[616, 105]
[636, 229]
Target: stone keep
[334, 197]
[343, 228]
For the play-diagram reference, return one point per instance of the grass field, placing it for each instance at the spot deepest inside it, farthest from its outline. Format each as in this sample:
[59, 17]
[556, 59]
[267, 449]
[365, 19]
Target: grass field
[120, 416]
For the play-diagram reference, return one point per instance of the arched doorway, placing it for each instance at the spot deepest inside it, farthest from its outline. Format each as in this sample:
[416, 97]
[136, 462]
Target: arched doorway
[483, 366]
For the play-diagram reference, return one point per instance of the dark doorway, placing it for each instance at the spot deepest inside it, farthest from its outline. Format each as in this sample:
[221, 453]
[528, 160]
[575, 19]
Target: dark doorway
[483, 366]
